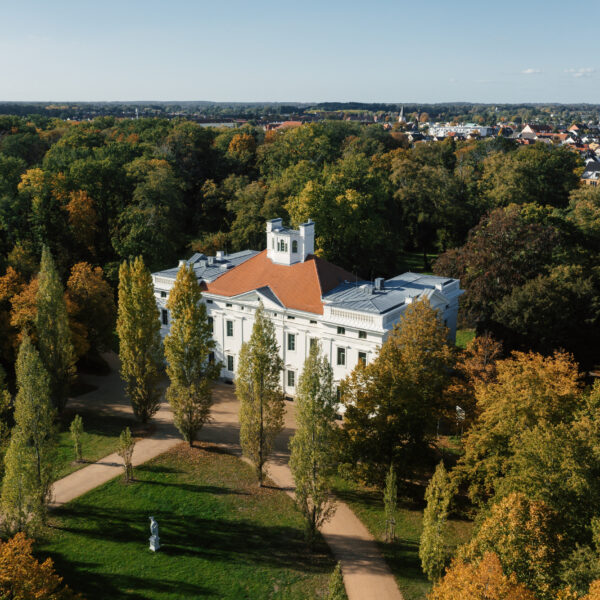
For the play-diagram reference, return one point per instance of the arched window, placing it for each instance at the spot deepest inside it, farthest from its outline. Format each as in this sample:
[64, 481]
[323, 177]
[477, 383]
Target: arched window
[295, 246]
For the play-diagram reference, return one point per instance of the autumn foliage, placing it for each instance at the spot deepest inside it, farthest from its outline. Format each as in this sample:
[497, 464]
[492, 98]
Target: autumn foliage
[22, 577]
[484, 580]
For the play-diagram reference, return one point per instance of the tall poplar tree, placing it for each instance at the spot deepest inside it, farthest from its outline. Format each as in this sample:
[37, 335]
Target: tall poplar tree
[5, 410]
[432, 549]
[29, 459]
[138, 328]
[187, 350]
[53, 332]
[311, 459]
[258, 388]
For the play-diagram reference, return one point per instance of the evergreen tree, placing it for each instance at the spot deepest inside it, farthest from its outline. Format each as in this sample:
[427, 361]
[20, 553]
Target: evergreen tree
[76, 433]
[187, 351]
[390, 501]
[259, 392]
[337, 590]
[53, 332]
[29, 459]
[125, 451]
[311, 459]
[432, 549]
[138, 328]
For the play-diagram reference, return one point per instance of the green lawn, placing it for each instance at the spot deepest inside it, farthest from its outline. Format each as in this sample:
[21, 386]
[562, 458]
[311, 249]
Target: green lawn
[222, 536]
[403, 554]
[463, 337]
[413, 261]
[100, 438]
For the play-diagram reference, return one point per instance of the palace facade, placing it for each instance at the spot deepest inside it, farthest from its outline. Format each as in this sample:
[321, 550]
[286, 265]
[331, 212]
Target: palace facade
[307, 298]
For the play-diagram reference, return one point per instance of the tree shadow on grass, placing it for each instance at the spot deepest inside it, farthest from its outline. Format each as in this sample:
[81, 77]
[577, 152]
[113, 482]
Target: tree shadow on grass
[83, 577]
[229, 541]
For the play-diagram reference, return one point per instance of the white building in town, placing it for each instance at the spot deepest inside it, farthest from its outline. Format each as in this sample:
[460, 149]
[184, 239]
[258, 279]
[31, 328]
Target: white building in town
[307, 298]
[464, 129]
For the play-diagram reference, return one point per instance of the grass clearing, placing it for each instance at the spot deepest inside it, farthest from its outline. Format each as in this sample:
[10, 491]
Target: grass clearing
[221, 536]
[464, 336]
[413, 261]
[402, 555]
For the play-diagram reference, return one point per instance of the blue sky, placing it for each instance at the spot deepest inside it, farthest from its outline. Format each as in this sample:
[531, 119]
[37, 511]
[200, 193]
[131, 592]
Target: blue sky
[231, 50]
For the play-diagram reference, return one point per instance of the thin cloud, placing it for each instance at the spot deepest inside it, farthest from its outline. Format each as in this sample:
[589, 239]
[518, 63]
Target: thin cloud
[531, 71]
[581, 72]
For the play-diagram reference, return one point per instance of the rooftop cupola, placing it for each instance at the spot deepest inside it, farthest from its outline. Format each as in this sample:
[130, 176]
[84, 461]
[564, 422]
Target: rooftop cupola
[289, 246]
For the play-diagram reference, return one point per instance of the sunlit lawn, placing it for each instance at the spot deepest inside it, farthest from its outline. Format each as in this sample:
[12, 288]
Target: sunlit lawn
[403, 554]
[222, 536]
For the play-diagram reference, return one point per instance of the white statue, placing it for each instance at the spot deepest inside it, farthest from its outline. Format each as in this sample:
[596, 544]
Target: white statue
[154, 539]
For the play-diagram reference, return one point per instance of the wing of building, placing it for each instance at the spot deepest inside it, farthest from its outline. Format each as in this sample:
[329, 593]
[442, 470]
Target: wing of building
[307, 298]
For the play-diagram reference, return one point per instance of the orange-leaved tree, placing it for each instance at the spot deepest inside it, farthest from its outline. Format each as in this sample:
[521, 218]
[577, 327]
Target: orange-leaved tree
[24, 577]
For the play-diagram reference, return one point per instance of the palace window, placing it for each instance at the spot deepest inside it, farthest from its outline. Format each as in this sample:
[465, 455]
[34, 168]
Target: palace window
[229, 362]
[228, 305]
[165, 316]
[294, 246]
[362, 335]
[211, 324]
[341, 356]
[229, 327]
[291, 341]
[341, 330]
[291, 378]
[312, 342]
[362, 358]
[211, 358]
[163, 294]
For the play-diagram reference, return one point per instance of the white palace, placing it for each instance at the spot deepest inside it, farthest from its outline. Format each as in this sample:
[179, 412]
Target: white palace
[307, 298]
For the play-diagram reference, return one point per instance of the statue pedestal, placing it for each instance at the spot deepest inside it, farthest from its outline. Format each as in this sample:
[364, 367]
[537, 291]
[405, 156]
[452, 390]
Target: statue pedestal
[154, 543]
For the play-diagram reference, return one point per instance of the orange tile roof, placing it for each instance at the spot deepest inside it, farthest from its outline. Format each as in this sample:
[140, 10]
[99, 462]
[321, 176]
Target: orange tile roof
[299, 286]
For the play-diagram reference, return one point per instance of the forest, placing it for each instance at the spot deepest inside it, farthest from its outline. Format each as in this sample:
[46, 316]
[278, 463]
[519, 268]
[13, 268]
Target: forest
[511, 222]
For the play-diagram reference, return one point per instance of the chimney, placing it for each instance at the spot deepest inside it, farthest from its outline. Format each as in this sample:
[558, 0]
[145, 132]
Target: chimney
[182, 263]
[220, 255]
[307, 233]
[274, 224]
[379, 283]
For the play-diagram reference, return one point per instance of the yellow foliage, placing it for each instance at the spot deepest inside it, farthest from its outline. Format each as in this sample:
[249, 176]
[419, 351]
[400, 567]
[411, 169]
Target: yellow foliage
[481, 581]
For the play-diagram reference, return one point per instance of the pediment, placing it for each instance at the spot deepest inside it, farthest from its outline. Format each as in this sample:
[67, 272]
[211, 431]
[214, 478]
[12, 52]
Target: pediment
[264, 294]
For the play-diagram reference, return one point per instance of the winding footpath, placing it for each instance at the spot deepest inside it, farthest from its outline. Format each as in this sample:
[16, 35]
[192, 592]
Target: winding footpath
[366, 574]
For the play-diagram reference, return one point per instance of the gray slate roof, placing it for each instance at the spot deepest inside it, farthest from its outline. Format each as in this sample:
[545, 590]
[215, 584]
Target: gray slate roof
[208, 268]
[361, 296]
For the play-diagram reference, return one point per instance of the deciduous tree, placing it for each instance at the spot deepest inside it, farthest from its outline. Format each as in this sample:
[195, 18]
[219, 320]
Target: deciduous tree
[258, 388]
[484, 580]
[433, 551]
[311, 460]
[392, 404]
[76, 430]
[188, 350]
[138, 328]
[125, 451]
[29, 459]
[53, 332]
[22, 576]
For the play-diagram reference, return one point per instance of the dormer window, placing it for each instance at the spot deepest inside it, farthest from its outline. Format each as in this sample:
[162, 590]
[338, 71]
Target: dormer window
[295, 246]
